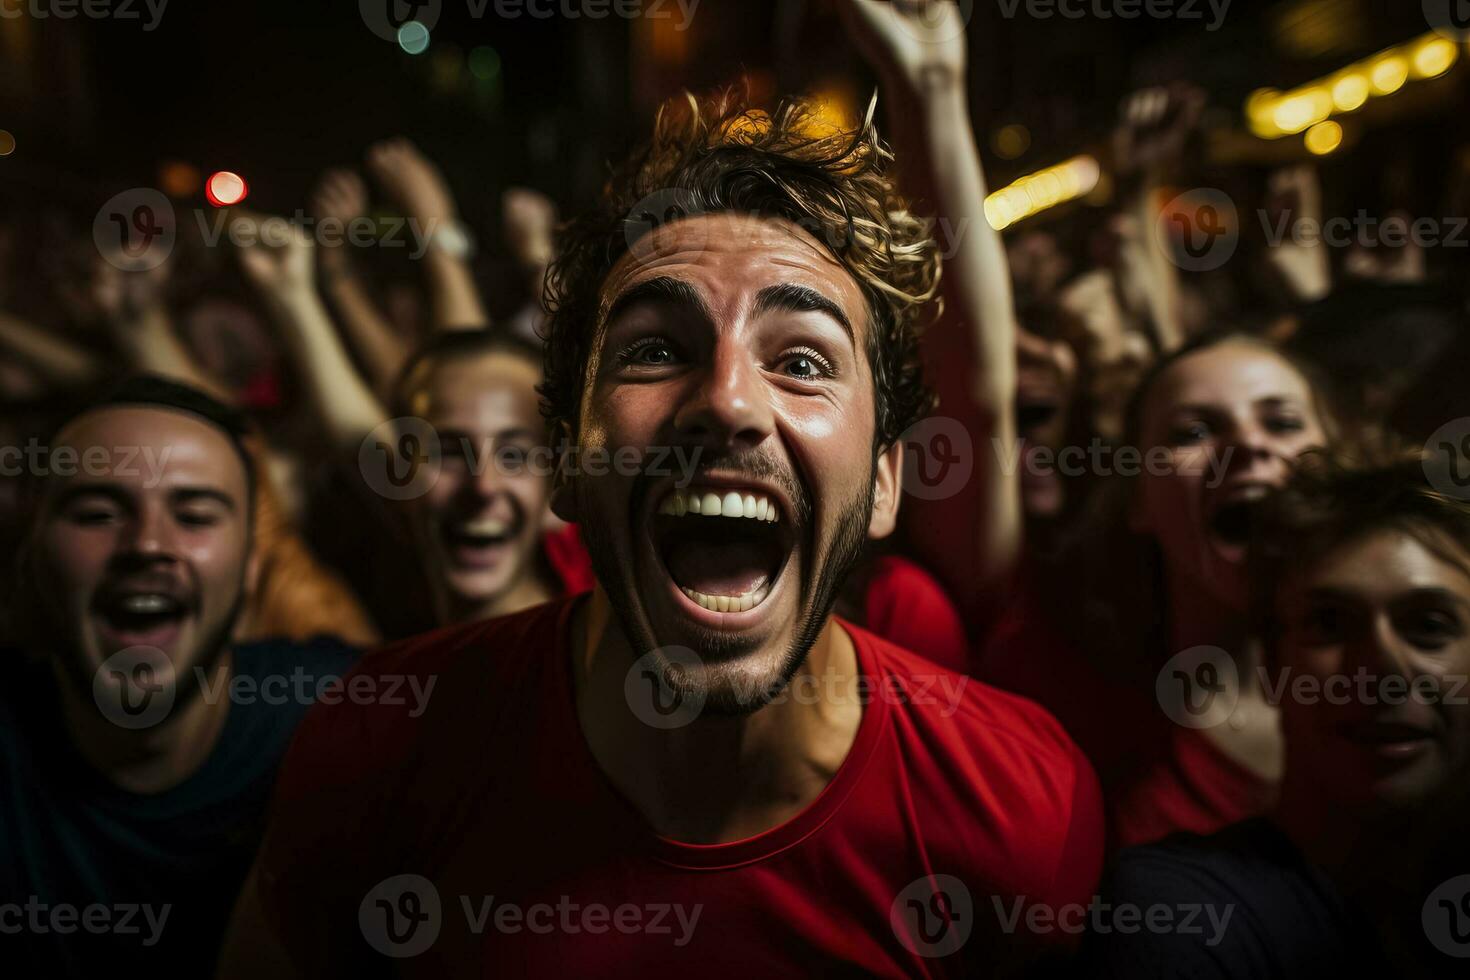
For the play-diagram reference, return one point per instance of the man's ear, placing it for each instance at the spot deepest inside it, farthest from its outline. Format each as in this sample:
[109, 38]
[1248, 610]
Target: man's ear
[887, 486]
[563, 500]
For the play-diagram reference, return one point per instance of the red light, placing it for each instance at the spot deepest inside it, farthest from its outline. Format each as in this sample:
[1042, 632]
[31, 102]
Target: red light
[225, 188]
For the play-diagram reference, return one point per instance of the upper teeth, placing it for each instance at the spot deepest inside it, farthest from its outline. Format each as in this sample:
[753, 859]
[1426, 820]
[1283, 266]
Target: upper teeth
[730, 504]
[147, 603]
[490, 527]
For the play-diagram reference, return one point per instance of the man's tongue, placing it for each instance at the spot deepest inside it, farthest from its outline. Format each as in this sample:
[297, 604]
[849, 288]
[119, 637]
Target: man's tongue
[716, 568]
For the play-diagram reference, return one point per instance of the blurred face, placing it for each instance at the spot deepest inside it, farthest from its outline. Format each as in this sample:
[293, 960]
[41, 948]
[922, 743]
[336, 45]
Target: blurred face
[741, 339]
[1231, 418]
[479, 525]
[1381, 606]
[147, 549]
[1046, 372]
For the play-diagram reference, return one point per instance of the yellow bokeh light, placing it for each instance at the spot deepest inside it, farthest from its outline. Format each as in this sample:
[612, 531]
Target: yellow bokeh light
[1350, 91]
[1323, 138]
[1434, 57]
[7, 143]
[1389, 74]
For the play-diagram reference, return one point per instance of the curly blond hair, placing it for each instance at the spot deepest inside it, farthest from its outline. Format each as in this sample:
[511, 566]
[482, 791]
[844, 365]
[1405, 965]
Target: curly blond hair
[719, 155]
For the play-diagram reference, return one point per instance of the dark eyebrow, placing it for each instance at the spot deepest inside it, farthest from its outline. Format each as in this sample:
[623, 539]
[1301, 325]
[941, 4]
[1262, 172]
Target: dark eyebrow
[664, 291]
[795, 298]
[112, 492]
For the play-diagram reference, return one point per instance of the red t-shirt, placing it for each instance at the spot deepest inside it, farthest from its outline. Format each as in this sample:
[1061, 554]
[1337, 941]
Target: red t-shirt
[908, 607]
[491, 793]
[1157, 777]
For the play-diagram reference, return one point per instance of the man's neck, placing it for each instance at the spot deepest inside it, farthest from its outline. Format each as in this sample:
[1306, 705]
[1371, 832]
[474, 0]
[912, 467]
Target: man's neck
[719, 778]
[154, 759]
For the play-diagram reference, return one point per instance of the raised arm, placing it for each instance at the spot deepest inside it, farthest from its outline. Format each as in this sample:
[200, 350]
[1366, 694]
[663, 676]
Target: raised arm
[58, 362]
[341, 196]
[919, 51]
[412, 180]
[280, 267]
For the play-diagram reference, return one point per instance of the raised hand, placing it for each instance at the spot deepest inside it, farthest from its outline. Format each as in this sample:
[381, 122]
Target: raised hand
[411, 179]
[529, 218]
[339, 195]
[279, 261]
[1153, 126]
[123, 295]
[915, 42]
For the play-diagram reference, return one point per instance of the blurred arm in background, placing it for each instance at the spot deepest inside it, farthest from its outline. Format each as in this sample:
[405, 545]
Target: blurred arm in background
[971, 350]
[341, 196]
[284, 276]
[412, 180]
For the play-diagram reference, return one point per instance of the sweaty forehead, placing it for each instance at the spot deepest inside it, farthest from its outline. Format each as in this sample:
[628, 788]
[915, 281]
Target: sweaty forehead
[729, 257]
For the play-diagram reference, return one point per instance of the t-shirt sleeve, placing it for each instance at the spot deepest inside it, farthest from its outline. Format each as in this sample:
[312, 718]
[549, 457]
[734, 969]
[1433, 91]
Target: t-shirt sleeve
[906, 606]
[1196, 931]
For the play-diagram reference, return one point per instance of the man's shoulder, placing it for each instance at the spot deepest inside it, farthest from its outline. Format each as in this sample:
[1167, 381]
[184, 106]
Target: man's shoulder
[376, 714]
[980, 716]
[997, 765]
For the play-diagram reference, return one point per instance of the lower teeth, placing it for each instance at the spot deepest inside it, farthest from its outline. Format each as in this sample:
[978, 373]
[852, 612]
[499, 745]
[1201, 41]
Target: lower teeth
[729, 603]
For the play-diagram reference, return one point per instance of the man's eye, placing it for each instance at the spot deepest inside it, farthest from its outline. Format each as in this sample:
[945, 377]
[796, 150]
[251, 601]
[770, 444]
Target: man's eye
[807, 365]
[198, 518]
[91, 516]
[652, 352]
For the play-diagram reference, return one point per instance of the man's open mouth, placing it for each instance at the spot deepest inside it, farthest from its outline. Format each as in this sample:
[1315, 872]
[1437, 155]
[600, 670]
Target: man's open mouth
[138, 616]
[724, 548]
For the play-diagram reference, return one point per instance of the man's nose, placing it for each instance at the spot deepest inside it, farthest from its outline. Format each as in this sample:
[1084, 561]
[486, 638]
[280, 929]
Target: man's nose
[730, 406]
[150, 532]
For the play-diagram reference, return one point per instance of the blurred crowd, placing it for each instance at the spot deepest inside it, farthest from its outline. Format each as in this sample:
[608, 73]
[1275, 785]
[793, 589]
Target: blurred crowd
[1156, 495]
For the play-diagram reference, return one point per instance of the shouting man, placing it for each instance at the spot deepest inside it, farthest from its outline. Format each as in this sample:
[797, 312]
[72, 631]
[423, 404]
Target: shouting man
[697, 768]
[138, 742]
